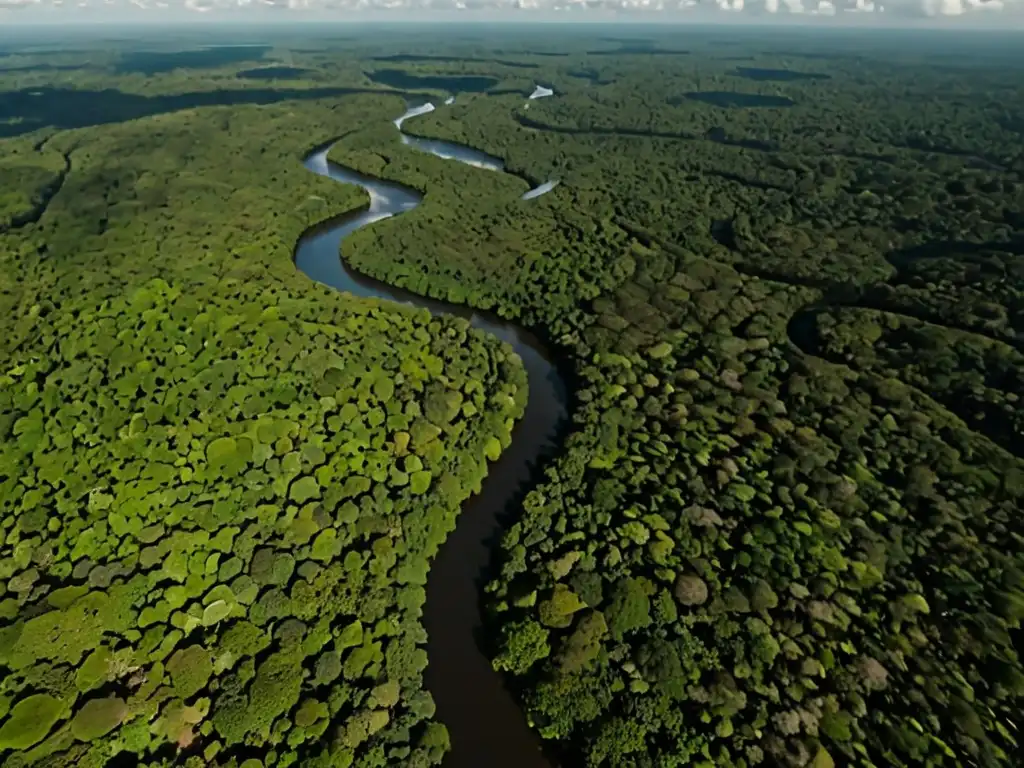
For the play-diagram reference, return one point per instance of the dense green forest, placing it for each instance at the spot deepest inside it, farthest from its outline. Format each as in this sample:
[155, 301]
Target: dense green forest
[221, 484]
[787, 274]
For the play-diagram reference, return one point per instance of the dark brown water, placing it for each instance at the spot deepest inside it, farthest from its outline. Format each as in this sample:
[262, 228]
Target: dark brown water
[487, 728]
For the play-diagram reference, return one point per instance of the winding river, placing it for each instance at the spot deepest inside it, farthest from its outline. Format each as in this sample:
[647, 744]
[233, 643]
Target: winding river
[487, 728]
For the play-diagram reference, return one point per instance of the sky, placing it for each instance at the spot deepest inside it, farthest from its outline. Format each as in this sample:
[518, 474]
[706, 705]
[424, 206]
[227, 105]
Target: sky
[1000, 14]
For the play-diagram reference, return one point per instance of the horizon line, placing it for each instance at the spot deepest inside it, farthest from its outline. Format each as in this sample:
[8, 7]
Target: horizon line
[989, 22]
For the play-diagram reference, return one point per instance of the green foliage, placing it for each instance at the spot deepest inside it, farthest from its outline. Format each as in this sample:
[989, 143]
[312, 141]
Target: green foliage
[557, 610]
[29, 721]
[208, 496]
[629, 608]
[386, 694]
[584, 644]
[304, 489]
[783, 529]
[351, 635]
[523, 644]
[793, 470]
[94, 670]
[190, 669]
[98, 717]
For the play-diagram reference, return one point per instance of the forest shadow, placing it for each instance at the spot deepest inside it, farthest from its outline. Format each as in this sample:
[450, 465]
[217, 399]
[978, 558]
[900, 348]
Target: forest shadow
[155, 62]
[398, 78]
[973, 159]
[592, 76]
[719, 135]
[43, 68]
[778, 75]
[734, 99]
[65, 108]
[945, 249]
[41, 200]
[812, 56]
[967, 398]
[635, 41]
[716, 135]
[639, 50]
[1012, 125]
[878, 296]
[274, 73]
[401, 58]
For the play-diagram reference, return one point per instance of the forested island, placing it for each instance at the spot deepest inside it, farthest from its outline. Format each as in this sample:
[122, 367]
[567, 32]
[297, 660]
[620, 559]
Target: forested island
[783, 272]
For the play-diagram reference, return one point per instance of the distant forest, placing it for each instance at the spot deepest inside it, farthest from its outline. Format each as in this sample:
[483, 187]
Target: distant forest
[782, 271]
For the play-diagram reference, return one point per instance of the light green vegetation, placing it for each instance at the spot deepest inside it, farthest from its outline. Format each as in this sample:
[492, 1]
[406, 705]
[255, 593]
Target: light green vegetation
[220, 484]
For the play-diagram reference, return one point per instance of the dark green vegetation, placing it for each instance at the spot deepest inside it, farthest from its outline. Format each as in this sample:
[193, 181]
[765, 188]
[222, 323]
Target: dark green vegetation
[29, 177]
[737, 99]
[786, 527]
[645, 50]
[404, 58]
[784, 530]
[402, 80]
[592, 75]
[156, 62]
[780, 75]
[274, 73]
[28, 110]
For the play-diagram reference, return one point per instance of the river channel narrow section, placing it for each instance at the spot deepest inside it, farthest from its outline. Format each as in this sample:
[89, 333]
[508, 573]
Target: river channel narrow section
[486, 725]
[467, 155]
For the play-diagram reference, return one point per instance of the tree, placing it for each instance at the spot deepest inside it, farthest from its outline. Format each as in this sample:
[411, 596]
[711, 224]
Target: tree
[584, 644]
[523, 644]
[661, 665]
[874, 675]
[98, 717]
[190, 669]
[763, 597]
[629, 608]
[558, 609]
[30, 720]
[328, 668]
[690, 589]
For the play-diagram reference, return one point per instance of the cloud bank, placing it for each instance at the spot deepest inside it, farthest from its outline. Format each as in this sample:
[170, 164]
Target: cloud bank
[998, 12]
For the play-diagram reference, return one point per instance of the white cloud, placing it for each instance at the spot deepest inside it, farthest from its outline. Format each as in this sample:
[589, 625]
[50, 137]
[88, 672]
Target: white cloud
[962, 7]
[942, 7]
[1005, 13]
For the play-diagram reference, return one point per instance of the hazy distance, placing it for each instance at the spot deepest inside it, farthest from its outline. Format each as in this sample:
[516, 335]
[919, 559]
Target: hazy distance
[1001, 14]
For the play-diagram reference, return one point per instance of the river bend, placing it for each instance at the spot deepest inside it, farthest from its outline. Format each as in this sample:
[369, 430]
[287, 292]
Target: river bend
[487, 728]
